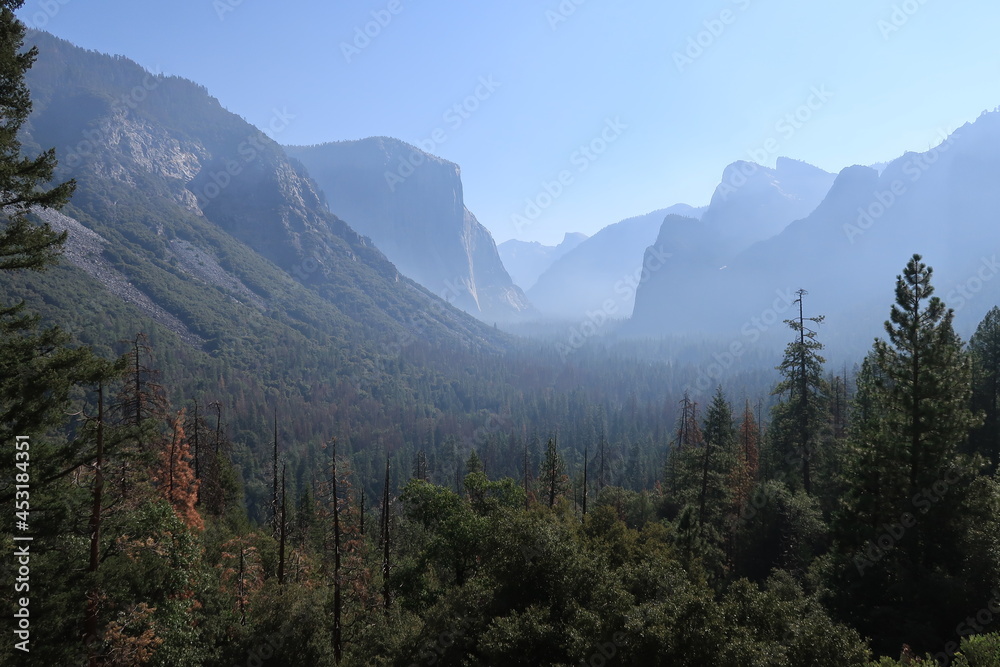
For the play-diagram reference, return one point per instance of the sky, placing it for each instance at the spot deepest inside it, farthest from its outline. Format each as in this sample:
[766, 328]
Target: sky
[572, 115]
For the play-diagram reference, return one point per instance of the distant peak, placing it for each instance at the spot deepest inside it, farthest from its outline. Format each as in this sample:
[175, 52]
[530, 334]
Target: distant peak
[787, 164]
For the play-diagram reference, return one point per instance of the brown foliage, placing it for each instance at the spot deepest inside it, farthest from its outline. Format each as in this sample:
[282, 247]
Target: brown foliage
[174, 476]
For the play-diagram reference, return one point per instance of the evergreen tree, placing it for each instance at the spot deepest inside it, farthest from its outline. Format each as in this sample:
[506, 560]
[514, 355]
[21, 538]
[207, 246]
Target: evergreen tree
[799, 419]
[985, 348]
[747, 460]
[913, 505]
[717, 461]
[23, 245]
[38, 367]
[926, 377]
[553, 472]
[687, 437]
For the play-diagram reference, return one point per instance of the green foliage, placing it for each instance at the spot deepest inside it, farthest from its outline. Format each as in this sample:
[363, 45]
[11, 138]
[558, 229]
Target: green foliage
[798, 420]
[907, 516]
[23, 245]
[984, 346]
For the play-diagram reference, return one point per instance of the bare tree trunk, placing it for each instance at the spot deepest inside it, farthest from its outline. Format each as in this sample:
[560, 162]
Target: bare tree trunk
[337, 584]
[361, 517]
[525, 474]
[90, 623]
[386, 522]
[704, 484]
[281, 543]
[274, 477]
[197, 431]
[242, 586]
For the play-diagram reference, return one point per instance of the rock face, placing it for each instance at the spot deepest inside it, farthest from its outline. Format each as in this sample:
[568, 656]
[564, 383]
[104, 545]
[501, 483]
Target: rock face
[607, 266]
[417, 216]
[525, 261]
[942, 204]
[754, 203]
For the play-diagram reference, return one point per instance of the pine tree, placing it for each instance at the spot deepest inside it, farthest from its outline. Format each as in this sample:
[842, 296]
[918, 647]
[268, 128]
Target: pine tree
[553, 472]
[474, 464]
[717, 460]
[141, 406]
[196, 429]
[910, 502]
[38, 367]
[926, 376]
[747, 459]
[985, 348]
[219, 484]
[799, 419]
[688, 436]
[23, 245]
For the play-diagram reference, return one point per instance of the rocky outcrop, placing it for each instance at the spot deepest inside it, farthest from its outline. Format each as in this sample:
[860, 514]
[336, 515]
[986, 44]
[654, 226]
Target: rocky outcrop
[753, 203]
[412, 206]
[603, 272]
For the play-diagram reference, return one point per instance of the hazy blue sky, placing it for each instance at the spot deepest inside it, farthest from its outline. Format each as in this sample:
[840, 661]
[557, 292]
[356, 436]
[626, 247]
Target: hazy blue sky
[561, 76]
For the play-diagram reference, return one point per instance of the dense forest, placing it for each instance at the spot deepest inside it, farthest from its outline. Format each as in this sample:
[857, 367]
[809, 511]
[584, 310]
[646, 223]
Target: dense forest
[425, 503]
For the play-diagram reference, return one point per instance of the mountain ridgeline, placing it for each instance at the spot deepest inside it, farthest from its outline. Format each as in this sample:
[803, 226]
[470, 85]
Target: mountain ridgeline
[835, 241]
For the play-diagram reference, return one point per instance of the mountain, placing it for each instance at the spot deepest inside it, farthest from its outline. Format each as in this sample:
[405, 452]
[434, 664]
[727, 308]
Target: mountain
[527, 260]
[846, 253]
[193, 226]
[753, 203]
[607, 266]
[411, 205]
